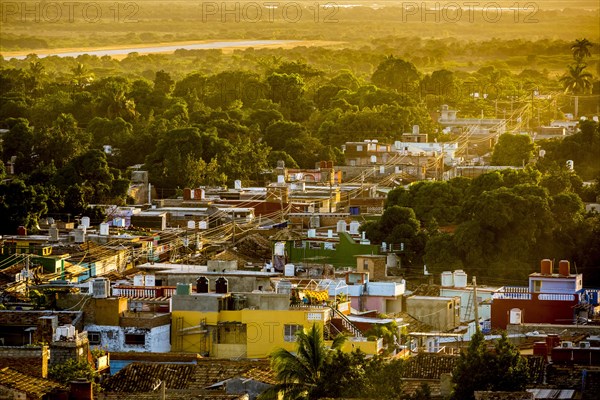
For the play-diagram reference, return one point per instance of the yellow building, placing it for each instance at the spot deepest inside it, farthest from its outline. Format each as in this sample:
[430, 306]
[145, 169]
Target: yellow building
[247, 325]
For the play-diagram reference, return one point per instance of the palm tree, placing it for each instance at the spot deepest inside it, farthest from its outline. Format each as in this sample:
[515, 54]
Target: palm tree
[299, 373]
[81, 76]
[581, 49]
[576, 81]
[116, 103]
[36, 74]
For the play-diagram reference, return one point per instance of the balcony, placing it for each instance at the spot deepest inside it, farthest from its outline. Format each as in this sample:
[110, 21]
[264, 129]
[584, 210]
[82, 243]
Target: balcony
[152, 292]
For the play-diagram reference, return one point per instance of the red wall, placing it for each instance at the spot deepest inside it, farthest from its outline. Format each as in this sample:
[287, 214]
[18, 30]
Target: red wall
[533, 311]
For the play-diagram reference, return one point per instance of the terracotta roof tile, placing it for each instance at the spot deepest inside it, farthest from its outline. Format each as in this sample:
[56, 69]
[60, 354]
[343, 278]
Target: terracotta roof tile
[143, 377]
[32, 386]
[429, 365]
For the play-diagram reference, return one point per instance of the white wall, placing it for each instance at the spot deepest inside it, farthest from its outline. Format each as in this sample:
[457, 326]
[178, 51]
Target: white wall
[385, 288]
[466, 302]
[113, 338]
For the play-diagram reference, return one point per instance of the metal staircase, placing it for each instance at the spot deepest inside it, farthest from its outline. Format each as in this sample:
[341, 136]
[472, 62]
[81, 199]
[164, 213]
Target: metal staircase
[347, 324]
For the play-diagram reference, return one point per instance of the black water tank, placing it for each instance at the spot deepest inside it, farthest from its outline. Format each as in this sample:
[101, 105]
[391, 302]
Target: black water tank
[221, 285]
[202, 285]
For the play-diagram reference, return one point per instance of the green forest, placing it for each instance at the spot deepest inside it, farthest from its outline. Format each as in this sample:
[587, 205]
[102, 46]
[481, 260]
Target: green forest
[71, 126]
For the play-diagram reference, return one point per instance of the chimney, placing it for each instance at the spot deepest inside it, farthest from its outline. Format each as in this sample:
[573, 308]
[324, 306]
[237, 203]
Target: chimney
[81, 390]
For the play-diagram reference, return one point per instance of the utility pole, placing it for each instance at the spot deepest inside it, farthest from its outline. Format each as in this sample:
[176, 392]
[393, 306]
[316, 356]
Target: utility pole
[475, 304]
[330, 191]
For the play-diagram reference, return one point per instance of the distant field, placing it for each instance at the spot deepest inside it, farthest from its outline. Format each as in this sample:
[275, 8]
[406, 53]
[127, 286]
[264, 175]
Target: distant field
[32, 25]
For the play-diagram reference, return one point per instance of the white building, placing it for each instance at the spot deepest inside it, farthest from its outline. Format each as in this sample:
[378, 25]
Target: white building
[477, 126]
[459, 287]
[155, 339]
[431, 149]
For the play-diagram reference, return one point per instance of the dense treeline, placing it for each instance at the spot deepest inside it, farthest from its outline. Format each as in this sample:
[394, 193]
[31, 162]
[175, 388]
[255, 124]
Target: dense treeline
[73, 126]
[499, 225]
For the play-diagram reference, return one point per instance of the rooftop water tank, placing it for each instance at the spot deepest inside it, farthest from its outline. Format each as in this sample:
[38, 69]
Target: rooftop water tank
[119, 222]
[85, 221]
[78, 235]
[104, 229]
[138, 280]
[546, 267]
[460, 278]
[341, 226]
[279, 249]
[150, 280]
[447, 279]
[564, 268]
[183, 289]
[53, 233]
[289, 270]
[100, 288]
[515, 316]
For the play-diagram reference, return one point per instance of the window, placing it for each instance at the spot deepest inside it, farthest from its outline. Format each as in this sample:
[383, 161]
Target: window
[537, 286]
[359, 148]
[298, 244]
[289, 332]
[314, 245]
[135, 339]
[94, 338]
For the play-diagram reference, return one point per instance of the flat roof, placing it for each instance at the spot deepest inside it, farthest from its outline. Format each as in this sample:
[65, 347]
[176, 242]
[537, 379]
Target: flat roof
[239, 272]
[435, 334]
[431, 298]
[553, 276]
[151, 212]
[201, 269]
[469, 288]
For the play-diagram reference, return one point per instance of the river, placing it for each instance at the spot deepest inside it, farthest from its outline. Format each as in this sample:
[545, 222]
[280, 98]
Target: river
[162, 49]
